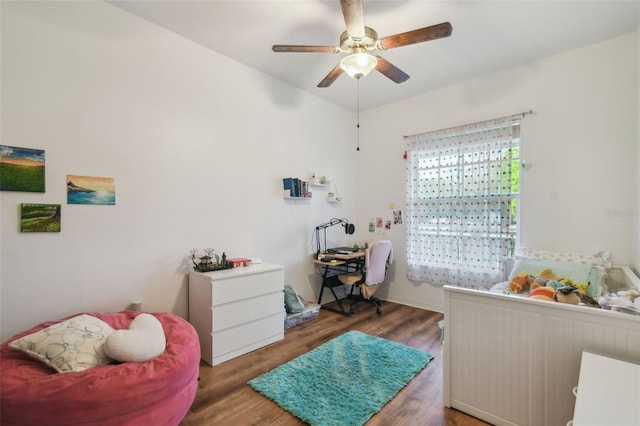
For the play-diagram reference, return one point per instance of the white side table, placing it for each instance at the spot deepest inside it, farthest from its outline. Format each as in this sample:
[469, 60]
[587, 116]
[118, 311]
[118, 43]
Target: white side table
[608, 392]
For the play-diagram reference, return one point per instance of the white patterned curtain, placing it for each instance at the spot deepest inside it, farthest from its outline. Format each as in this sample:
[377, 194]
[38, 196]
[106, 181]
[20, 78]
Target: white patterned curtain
[462, 192]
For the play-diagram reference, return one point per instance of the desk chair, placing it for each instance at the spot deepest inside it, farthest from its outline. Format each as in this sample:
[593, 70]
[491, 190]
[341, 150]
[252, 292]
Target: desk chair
[377, 259]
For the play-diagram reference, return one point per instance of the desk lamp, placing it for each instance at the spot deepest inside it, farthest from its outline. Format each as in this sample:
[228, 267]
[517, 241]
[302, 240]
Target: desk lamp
[349, 228]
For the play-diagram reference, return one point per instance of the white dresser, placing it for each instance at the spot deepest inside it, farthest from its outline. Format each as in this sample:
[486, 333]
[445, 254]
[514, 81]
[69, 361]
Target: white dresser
[237, 310]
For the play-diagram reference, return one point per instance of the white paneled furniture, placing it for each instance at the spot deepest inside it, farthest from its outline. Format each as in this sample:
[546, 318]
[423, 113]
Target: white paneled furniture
[237, 310]
[608, 392]
[510, 360]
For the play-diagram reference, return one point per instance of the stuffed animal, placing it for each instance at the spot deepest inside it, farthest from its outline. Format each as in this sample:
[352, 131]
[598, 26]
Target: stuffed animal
[572, 295]
[541, 293]
[581, 287]
[518, 283]
[547, 274]
[567, 294]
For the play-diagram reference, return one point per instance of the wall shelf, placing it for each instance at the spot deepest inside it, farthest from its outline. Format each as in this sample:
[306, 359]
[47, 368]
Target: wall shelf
[298, 186]
[286, 194]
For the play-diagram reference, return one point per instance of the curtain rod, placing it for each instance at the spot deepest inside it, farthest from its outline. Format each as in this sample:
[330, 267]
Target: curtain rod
[513, 117]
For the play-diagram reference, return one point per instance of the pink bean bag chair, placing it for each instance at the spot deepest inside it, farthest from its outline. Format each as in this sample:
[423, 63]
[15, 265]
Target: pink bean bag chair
[155, 392]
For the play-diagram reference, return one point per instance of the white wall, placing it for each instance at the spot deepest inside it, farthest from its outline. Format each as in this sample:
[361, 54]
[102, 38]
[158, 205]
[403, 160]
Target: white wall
[581, 145]
[197, 144]
[636, 261]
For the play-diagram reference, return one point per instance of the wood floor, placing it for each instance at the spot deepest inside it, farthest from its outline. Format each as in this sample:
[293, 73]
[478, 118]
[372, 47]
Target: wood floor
[224, 398]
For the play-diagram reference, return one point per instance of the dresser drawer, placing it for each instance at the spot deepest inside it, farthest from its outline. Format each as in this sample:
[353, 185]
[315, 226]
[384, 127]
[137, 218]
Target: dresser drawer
[242, 287]
[236, 310]
[247, 310]
[247, 337]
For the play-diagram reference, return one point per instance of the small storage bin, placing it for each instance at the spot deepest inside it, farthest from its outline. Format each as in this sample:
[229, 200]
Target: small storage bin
[311, 311]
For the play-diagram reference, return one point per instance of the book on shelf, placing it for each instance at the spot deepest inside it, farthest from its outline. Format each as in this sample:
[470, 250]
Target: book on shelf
[287, 183]
[297, 188]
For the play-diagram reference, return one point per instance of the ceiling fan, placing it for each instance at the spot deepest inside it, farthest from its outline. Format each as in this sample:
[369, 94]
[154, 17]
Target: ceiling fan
[359, 41]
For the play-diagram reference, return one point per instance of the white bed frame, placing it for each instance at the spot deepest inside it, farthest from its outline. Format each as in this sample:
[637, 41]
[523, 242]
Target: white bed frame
[510, 360]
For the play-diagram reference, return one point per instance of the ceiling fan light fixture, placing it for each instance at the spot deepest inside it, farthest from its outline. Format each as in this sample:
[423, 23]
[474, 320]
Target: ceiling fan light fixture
[359, 64]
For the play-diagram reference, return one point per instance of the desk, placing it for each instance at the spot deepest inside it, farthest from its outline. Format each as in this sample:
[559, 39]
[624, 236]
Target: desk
[342, 263]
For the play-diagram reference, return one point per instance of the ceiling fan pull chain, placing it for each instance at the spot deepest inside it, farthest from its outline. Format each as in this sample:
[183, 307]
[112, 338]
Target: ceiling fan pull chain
[358, 115]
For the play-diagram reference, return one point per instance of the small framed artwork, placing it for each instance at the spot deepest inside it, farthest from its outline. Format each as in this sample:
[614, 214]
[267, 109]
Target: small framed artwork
[90, 190]
[21, 169]
[397, 217]
[40, 217]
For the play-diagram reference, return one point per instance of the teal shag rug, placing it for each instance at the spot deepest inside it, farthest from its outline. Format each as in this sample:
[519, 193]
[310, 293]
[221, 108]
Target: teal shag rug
[344, 381]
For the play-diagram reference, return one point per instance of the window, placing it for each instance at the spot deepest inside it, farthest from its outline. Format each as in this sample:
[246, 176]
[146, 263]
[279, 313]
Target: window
[462, 198]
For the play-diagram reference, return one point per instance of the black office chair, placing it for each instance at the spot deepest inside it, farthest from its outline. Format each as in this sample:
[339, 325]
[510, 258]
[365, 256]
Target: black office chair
[378, 257]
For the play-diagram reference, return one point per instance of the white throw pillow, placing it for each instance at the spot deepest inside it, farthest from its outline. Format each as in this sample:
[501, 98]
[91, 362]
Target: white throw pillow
[143, 340]
[71, 345]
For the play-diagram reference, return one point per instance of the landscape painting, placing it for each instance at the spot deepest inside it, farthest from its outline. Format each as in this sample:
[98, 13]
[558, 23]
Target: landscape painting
[40, 218]
[21, 169]
[90, 190]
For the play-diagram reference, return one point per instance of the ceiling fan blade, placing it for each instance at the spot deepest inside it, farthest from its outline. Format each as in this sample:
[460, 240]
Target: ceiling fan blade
[331, 77]
[353, 13]
[416, 36]
[391, 71]
[301, 48]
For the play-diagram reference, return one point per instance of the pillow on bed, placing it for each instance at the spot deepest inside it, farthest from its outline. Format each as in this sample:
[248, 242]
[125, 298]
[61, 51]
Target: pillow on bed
[601, 261]
[601, 258]
[144, 340]
[71, 345]
[576, 272]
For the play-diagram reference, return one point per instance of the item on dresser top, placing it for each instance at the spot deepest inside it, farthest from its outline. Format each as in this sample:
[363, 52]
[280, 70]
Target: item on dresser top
[210, 261]
[238, 262]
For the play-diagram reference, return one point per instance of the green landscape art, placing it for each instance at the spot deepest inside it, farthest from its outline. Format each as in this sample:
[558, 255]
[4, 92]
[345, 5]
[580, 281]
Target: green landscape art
[21, 169]
[40, 218]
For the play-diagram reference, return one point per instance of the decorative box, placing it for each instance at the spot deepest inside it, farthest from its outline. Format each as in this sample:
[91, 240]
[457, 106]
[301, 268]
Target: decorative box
[238, 261]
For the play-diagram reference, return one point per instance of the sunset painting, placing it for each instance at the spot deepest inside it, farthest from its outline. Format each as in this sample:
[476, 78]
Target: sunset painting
[90, 190]
[21, 169]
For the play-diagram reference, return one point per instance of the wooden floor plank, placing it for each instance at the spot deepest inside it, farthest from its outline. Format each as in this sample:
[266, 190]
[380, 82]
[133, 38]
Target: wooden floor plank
[224, 398]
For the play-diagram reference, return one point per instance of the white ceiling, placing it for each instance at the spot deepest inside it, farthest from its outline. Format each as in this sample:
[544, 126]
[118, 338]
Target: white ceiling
[487, 36]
